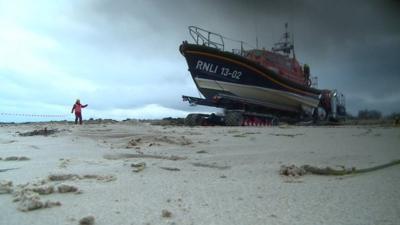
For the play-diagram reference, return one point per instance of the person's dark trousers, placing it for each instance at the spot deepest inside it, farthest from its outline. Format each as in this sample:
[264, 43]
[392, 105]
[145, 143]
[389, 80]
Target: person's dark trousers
[78, 116]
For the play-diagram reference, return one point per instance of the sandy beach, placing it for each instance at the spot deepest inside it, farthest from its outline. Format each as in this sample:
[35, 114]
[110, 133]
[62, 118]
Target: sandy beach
[137, 173]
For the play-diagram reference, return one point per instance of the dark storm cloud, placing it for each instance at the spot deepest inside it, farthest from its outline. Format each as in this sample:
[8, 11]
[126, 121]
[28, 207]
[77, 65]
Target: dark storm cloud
[351, 45]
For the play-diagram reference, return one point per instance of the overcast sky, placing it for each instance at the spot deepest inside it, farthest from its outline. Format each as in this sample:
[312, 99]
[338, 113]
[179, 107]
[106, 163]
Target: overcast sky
[122, 58]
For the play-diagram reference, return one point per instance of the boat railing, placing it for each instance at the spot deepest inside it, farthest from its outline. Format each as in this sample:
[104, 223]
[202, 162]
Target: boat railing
[214, 40]
[207, 38]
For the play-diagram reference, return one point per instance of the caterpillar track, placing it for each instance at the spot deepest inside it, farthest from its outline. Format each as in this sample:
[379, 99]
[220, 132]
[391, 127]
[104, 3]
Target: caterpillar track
[231, 118]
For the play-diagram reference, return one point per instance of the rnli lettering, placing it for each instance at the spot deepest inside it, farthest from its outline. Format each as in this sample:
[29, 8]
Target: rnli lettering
[211, 68]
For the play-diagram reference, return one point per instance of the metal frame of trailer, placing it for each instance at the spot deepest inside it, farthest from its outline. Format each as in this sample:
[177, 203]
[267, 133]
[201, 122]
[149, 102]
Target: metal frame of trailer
[237, 112]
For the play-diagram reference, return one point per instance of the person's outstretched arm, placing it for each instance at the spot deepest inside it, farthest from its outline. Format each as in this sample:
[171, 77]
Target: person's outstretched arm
[84, 106]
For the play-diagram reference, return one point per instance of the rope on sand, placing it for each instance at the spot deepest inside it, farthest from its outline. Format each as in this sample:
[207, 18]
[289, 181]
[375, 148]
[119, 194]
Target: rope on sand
[7, 169]
[328, 171]
[128, 156]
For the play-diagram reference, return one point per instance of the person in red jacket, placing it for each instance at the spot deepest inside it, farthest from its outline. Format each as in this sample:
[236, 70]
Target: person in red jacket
[78, 111]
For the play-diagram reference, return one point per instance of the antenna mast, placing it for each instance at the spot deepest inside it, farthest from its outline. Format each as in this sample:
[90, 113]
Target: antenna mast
[257, 42]
[286, 34]
[294, 55]
[284, 45]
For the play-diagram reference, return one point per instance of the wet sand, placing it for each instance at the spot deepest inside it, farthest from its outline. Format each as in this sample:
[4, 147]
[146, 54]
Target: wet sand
[136, 173]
